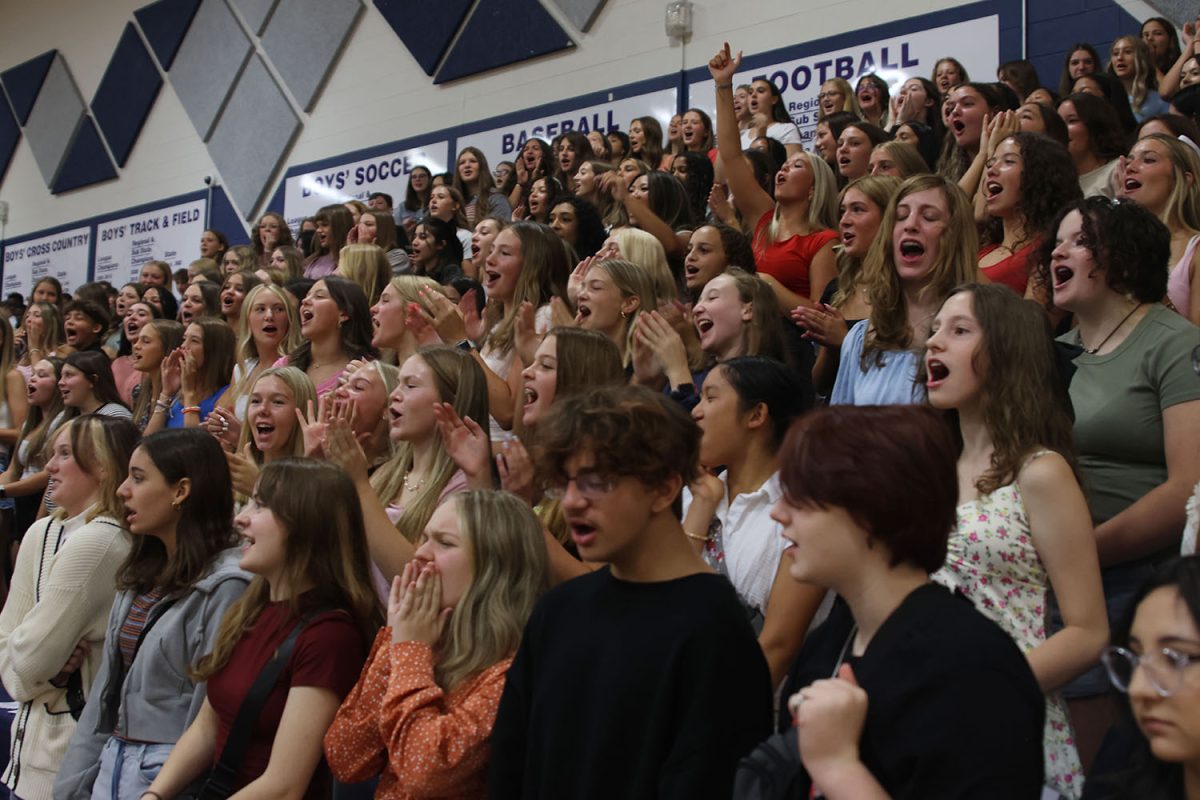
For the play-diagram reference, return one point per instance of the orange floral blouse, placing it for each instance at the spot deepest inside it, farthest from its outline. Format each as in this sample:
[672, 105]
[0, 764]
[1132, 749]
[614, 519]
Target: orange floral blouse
[397, 721]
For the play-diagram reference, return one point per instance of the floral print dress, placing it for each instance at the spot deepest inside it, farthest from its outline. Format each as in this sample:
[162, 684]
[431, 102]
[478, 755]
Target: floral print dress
[992, 560]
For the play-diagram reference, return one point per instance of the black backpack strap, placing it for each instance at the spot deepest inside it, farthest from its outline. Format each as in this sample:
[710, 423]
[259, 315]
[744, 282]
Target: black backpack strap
[222, 781]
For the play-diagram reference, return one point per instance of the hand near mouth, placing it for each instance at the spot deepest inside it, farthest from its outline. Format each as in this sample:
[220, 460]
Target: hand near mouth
[1000, 127]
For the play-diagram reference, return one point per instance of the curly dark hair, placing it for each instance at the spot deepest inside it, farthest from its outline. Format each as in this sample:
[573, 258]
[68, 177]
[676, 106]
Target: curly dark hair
[1048, 183]
[628, 431]
[1128, 242]
[589, 231]
[738, 250]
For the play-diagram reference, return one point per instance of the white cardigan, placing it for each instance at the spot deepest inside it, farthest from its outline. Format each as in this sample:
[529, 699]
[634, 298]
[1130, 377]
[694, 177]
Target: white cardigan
[62, 590]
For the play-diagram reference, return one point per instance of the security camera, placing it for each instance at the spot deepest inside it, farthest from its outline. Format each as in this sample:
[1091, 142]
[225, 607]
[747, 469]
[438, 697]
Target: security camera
[208, 180]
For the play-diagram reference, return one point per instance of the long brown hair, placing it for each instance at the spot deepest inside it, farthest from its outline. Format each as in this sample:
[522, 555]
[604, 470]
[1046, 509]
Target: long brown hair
[878, 189]
[326, 549]
[205, 526]
[1024, 398]
[957, 263]
[544, 273]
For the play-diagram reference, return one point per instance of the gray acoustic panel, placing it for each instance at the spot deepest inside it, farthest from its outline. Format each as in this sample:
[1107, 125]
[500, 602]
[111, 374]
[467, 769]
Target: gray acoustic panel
[208, 64]
[255, 13]
[253, 135]
[304, 43]
[582, 13]
[54, 120]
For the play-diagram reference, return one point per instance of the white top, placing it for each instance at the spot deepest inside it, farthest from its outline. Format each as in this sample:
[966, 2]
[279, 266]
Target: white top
[782, 132]
[1193, 523]
[753, 542]
[464, 237]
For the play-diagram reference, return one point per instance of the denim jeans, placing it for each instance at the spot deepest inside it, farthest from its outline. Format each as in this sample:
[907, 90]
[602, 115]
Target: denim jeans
[128, 768]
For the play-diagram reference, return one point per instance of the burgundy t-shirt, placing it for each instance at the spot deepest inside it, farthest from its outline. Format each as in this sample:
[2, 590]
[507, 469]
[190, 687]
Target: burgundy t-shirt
[329, 654]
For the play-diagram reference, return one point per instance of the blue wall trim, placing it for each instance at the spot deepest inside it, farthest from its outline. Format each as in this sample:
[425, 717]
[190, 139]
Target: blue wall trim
[24, 81]
[126, 94]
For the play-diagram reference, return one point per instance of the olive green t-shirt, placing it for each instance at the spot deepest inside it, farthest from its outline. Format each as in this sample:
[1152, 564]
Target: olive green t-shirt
[1119, 399]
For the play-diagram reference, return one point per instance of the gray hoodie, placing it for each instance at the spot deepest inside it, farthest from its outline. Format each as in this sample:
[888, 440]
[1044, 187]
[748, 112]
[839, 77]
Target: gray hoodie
[156, 701]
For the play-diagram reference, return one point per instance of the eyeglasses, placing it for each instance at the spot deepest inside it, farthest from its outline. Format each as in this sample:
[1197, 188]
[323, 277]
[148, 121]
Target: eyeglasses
[1164, 668]
[592, 485]
[826, 95]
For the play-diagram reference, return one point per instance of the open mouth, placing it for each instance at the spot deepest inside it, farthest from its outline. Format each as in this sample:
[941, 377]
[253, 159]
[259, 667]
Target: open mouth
[263, 430]
[691, 270]
[492, 278]
[848, 238]
[71, 335]
[1062, 275]
[306, 316]
[531, 395]
[582, 533]
[993, 189]
[703, 326]
[936, 371]
[270, 330]
[227, 301]
[1132, 184]
[582, 313]
[911, 250]
[844, 161]
[959, 126]
[395, 414]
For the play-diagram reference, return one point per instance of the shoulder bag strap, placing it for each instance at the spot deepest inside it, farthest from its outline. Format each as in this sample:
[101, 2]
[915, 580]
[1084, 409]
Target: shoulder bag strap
[222, 780]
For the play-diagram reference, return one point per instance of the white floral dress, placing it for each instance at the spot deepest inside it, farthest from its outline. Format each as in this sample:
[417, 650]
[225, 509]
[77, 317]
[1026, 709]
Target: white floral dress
[992, 560]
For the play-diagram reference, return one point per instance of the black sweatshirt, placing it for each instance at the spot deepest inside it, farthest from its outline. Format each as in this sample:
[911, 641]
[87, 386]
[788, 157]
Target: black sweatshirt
[631, 690]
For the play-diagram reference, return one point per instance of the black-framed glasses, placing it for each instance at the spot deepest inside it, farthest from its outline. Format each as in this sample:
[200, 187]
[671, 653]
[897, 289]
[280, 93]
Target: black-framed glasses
[591, 485]
[1164, 668]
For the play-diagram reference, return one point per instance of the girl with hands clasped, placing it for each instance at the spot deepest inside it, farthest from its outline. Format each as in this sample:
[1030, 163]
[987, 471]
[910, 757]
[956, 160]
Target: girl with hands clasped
[1023, 524]
[61, 593]
[306, 552]
[423, 709]
[793, 236]
[194, 376]
[905, 691]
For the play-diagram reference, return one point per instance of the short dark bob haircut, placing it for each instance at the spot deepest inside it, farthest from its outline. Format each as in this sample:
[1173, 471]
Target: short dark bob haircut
[892, 468]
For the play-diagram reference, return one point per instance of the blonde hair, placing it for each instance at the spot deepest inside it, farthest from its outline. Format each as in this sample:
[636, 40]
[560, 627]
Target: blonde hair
[510, 572]
[303, 394]
[957, 263]
[460, 381]
[102, 447]
[632, 281]
[905, 156]
[545, 270]
[170, 336]
[822, 208]
[247, 350]
[850, 104]
[1182, 209]
[647, 252]
[879, 190]
[366, 265]
[52, 329]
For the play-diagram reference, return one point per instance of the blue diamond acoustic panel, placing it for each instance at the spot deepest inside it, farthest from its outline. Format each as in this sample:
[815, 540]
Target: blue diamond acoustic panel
[126, 94]
[164, 25]
[426, 28]
[582, 13]
[502, 32]
[86, 162]
[23, 82]
[10, 135]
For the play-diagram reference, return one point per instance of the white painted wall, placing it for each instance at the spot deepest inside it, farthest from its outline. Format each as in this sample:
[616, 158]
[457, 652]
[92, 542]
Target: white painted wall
[378, 94]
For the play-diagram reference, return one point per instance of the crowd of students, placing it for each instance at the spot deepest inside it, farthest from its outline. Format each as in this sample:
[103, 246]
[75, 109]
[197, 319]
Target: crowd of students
[659, 464]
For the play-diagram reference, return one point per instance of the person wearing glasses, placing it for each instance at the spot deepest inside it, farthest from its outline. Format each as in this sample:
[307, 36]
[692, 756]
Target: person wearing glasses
[1156, 663]
[642, 678]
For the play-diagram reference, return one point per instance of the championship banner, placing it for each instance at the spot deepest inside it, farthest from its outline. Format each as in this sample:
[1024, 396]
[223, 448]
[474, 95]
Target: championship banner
[975, 43]
[62, 255]
[170, 234]
[305, 193]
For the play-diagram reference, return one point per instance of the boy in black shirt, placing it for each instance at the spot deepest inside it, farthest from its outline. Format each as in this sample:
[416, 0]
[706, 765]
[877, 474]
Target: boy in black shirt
[644, 678]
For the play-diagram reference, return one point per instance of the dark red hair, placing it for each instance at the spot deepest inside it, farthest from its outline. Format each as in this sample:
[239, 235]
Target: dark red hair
[892, 468]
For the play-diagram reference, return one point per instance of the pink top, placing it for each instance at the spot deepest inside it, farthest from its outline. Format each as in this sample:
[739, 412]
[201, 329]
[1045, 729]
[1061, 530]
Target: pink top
[1179, 282]
[457, 483]
[326, 386]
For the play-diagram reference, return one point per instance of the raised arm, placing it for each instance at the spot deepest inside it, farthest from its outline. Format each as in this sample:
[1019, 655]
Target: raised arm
[748, 196]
